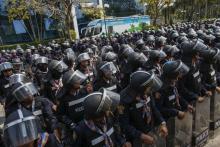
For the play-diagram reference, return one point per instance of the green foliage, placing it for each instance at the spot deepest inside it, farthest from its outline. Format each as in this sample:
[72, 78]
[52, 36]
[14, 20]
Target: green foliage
[141, 27]
[25, 45]
[72, 34]
[18, 10]
[92, 13]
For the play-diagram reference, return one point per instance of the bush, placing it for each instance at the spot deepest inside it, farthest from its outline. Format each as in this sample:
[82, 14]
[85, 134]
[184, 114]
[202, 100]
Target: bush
[25, 45]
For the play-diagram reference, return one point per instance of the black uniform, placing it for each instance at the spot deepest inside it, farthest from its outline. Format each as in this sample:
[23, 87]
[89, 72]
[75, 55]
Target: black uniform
[4, 88]
[110, 85]
[71, 109]
[133, 120]
[42, 108]
[190, 85]
[170, 102]
[88, 135]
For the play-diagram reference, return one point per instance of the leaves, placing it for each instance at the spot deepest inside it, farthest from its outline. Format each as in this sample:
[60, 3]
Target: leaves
[92, 13]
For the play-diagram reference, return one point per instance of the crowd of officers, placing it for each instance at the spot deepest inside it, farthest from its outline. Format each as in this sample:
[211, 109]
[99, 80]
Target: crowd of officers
[107, 91]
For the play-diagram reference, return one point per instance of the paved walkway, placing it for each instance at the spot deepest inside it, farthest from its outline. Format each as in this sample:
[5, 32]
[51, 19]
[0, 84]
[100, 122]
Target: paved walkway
[214, 142]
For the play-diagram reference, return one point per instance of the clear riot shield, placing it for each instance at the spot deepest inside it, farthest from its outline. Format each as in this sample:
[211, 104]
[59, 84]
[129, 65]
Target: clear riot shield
[180, 131]
[2, 118]
[214, 115]
[201, 122]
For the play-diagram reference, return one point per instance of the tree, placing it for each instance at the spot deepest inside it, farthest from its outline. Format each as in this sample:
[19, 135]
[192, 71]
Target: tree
[92, 13]
[155, 7]
[62, 10]
[34, 10]
[197, 9]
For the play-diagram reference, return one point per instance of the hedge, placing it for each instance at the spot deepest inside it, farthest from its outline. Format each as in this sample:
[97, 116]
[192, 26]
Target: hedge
[25, 45]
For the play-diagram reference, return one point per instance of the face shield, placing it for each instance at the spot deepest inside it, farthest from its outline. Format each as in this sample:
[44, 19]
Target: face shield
[108, 68]
[20, 128]
[5, 66]
[18, 65]
[153, 83]
[18, 78]
[183, 69]
[61, 67]
[83, 57]
[41, 60]
[114, 97]
[77, 77]
[24, 92]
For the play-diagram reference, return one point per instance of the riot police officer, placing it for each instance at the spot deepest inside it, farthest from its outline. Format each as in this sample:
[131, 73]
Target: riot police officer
[138, 110]
[155, 61]
[70, 110]
[22, 129]
[107, 77]
[191, 87]
[170, 102]
[40, 71]
[6, 70]
[98, 128]
[53, 81]
[84, 66]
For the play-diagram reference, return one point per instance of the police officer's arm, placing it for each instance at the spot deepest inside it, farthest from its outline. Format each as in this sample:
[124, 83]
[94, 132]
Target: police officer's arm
[156, 112]
[211, 86]
[127, 128]
[170, 112]
[48, 113]
[119, 136]
[184, 104]
[184, 91]
[61, 114]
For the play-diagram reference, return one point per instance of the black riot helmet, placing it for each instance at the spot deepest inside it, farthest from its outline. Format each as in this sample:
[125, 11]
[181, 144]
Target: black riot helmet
[156, 55]
[69, 51]
[140, 80]
[71, 79]
[83, 57]
[125, 51]
[57, 66]
[140, 44]
[34, 57]
[98, 103]
[115, 97]
[135, 61]
[150, 41]
[211, 55]
[192, 34]
[160, 41]
[170, 50]
[5, 66]
[108, 69]
[173, 69]
[42, 63]
[20, 128]
[90, 52]
[24, 92]
[191, 48]
[18, 78]
[17, 64]
[69, 59]
[41, 60]
[107, 48]
[110, 57]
